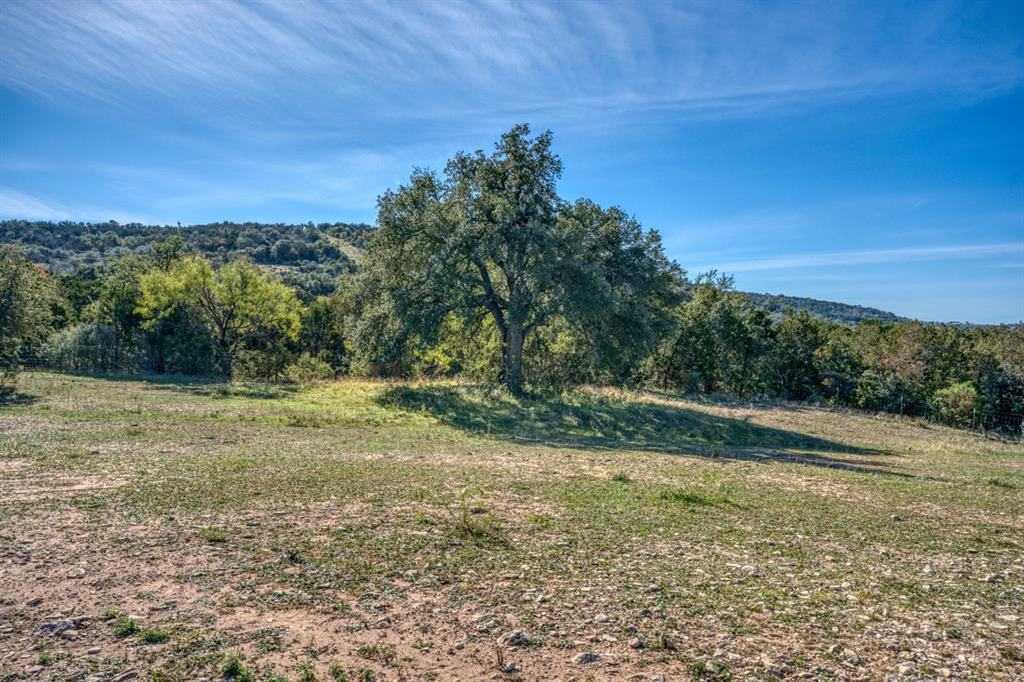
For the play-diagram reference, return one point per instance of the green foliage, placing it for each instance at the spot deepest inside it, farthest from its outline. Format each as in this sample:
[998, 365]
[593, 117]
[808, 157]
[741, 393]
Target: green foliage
[241, 307]
[337, 672]
[308, 257]
[91, 347]
[957, 404]
[481, 272]
[791, 370]
[956, 375]
[467, 349]
[717, 342]
[154, 635]
[323, 332]
[491, 239]
[125, 627]
[306, 369]
[472, 521]
[307, 674]
[27, 298]
[843, 313]
[233, 669]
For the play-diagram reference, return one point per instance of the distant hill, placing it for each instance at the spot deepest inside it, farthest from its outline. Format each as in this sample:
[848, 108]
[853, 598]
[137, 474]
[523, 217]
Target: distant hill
[844, 313]
[307, 256]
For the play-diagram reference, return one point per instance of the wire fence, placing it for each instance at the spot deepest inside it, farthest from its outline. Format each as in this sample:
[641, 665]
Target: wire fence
[107, 360]
[995, 424]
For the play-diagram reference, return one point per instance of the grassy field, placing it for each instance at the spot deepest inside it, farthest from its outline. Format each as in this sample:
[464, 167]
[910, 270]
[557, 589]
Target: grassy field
[365, 530]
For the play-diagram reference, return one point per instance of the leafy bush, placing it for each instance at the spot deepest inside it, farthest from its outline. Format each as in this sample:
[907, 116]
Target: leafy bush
[957, 404]
[308, 368]
[27, 298]
[264, 364]
[91, 347]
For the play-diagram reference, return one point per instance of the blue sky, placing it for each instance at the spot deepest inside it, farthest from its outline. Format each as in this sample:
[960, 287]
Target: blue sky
[870, 152]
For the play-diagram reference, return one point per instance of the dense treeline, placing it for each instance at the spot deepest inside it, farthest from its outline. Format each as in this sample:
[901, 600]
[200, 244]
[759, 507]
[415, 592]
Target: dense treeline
[484, 272]
[308, 257]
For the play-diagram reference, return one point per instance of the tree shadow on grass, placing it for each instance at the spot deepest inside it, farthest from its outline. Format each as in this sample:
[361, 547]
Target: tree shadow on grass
[222, 390]
[212, 386]
[11, 397]
[597, 422]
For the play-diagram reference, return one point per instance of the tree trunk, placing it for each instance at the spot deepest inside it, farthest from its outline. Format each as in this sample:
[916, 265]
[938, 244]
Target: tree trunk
[514, 359]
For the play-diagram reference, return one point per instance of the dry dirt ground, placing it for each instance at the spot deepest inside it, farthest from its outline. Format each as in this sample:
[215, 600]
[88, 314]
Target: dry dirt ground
[367, 531]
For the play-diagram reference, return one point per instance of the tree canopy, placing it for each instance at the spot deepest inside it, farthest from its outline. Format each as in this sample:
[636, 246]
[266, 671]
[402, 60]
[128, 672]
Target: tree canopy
[238, 302]
[27, 297]
[490, 237]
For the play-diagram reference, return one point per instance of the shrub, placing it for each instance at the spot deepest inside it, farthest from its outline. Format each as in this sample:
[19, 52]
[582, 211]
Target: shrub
[956, 404]
[877, 392]
[258, 365]
[308, 368]
[91, 347]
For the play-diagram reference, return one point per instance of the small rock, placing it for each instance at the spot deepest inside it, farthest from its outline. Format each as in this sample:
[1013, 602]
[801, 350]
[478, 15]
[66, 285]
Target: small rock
[906, 668]
[382, 622]
[514, 638]
[33, 669]
[636, 643]
[94, 651]
[602, 618]
[127, 675]
[35, 601]
[667, 642]
[895, 518]
[77, 573]
[586, 657]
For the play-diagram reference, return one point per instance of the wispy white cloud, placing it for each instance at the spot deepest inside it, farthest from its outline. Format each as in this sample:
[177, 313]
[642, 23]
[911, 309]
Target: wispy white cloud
[317, 63]
[16, 204]
[870, 257]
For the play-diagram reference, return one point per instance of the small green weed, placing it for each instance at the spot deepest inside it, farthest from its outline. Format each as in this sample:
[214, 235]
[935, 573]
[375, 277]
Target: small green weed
[337, 672]
[154, 635]
[385, 654]
[125, 626]
[213, 535]
[234, 669]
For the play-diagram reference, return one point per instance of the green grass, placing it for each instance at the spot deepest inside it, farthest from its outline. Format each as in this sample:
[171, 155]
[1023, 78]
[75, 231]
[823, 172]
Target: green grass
[753, 520]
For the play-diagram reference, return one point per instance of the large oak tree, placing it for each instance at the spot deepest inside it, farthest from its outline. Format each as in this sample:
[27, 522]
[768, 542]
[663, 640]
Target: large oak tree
[490, 236]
